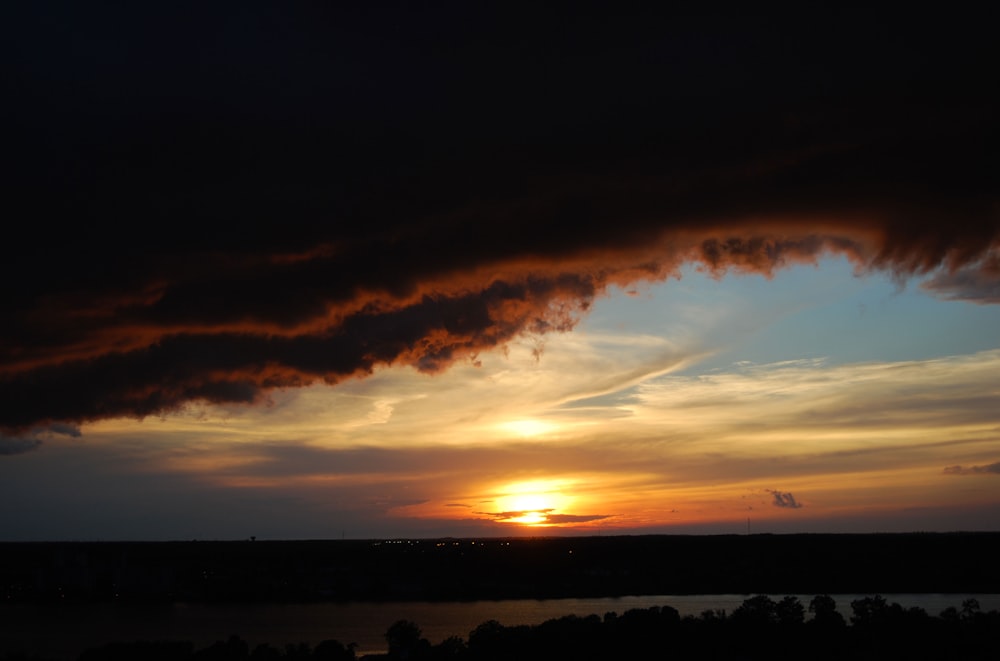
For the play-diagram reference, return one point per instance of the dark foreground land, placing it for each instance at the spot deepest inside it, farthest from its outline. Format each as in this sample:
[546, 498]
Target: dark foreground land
[761, 628]
[467, 569]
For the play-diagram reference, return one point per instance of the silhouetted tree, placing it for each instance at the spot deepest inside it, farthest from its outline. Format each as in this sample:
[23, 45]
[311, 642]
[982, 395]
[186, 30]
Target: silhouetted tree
[485, 639]
[453, 647]
[405, 641]
[333, 650]
[970, 609]
[950, 614]
[570, 637]
[234, 649]
[265, 652]
[825, 635]
[298, 652]
[825, 613]
[756, 611]
[869, 611]
[492, 640]
[790, 612]
[709, 615]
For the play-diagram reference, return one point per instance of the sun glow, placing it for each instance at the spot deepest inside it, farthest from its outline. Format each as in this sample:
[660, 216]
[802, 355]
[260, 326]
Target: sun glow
[528, 427]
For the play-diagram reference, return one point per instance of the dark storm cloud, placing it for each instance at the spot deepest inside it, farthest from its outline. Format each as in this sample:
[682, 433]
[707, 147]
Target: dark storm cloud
[784, 499]
[993, 468]
[214, 201]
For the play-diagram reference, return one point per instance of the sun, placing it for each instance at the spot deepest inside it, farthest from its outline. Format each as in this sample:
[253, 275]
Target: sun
[531, 503]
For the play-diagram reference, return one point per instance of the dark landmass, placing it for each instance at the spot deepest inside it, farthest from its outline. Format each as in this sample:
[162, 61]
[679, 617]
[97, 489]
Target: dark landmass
[514, 568]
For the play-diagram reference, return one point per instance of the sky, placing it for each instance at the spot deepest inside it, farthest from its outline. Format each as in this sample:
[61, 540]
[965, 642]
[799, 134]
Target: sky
[299, 271]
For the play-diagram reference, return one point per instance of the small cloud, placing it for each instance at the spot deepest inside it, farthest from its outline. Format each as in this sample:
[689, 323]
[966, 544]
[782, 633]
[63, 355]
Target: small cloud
[381, 412]
[457, 505]
[784, 499]
[65, 429]
[993, 468]
[32, 440]
[10, 446]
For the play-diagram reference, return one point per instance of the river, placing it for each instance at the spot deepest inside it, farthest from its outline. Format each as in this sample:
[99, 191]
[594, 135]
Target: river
[63, 631]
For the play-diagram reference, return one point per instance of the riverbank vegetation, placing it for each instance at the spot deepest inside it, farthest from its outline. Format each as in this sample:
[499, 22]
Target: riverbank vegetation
[760, 628]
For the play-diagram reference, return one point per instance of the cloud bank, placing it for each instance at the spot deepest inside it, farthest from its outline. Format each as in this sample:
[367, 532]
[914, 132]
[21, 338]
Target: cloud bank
[299, 196]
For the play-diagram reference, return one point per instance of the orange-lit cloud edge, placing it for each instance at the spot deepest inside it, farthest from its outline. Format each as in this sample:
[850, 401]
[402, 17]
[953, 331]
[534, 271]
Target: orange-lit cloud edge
[154, 349]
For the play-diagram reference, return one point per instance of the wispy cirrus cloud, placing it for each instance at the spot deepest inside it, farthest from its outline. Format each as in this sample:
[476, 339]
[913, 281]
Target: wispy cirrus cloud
[977, 283]
[821, 399]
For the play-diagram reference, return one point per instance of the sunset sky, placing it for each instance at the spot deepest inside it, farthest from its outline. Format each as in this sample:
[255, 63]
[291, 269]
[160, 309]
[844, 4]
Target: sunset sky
[294, 271]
